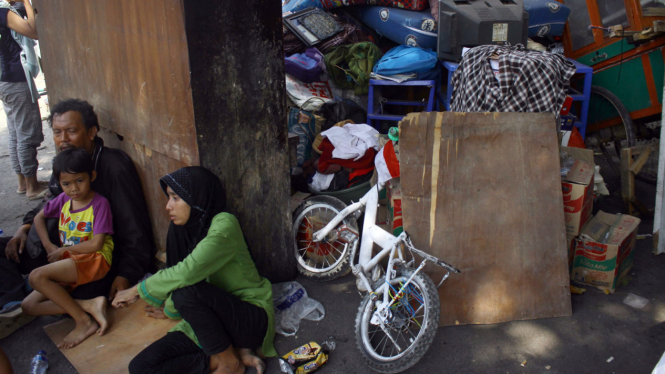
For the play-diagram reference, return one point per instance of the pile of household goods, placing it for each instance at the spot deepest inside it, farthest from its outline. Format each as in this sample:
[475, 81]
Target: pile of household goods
[333, 48]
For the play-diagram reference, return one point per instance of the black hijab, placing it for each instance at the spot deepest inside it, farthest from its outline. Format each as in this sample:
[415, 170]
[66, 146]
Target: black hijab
[206, 200]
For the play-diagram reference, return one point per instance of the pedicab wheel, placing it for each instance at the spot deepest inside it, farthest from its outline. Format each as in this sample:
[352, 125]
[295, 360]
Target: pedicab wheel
[604, 105]
[328, 259]
[411, 324]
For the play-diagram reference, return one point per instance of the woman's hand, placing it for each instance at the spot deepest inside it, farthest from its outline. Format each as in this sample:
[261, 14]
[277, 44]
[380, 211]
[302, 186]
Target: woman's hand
[55, 255]
[126, 297]
[151, 311]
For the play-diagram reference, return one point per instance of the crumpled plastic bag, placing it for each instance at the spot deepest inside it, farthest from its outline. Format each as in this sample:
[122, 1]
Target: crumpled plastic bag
[292, 305]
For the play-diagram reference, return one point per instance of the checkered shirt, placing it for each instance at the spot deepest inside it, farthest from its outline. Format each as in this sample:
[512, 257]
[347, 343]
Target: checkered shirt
[528, 81]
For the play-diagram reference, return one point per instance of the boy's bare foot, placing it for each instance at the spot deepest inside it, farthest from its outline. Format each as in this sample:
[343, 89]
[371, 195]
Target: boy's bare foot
[248, 358]
[81, 332]
[97, 308]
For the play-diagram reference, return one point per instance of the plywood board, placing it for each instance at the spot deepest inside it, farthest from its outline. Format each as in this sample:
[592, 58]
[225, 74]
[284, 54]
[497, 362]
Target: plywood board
[130, 332]
[130, 61]
[482, 191]
[150, 165]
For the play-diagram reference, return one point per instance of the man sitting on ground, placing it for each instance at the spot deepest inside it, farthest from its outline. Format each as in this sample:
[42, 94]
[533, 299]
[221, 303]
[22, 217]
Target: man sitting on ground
[75, 125]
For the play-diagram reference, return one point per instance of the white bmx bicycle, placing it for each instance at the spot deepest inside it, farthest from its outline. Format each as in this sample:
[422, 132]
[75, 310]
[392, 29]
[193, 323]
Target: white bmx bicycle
[399, 316]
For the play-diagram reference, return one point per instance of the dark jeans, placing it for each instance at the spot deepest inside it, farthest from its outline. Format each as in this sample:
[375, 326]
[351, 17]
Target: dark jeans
[11, 280]
[218, 319]
[174, 353]
[12, 284]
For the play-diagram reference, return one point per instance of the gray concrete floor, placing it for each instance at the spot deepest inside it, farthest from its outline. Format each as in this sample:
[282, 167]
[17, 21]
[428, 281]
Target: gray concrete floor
[601, 326]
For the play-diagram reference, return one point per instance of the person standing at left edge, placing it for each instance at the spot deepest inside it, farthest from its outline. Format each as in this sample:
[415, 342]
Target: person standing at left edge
[19, 94]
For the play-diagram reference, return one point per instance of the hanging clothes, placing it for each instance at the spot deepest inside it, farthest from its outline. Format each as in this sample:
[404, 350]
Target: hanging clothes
[527, 81]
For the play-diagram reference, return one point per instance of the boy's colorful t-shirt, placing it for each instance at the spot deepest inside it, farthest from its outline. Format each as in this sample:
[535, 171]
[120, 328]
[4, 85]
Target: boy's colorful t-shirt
[78, 226]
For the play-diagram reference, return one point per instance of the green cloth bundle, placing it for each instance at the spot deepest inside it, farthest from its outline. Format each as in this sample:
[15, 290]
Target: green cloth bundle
[349, 66]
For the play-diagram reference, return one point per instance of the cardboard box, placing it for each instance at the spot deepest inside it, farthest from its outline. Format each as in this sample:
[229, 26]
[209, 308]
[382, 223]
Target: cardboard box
[577, 188]
[394, 203]
[604, 250]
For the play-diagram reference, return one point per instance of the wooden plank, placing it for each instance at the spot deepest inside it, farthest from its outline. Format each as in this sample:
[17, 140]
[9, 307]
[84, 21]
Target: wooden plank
[627, 179]
[130, 62]
[482, 191]
[639, 163]
[659, 26]
[129, 333]
[653, 12]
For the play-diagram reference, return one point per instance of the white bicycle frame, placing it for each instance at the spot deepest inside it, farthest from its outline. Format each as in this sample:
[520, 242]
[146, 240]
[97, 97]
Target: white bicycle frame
[389, 243]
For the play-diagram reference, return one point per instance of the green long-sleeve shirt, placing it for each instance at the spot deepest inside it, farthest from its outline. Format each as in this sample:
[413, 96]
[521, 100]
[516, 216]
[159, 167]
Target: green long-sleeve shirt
[223, 260]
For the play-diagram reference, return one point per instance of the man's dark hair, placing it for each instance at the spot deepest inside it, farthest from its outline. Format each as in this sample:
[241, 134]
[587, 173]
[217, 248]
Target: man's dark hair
[72, 161]
[87, 112]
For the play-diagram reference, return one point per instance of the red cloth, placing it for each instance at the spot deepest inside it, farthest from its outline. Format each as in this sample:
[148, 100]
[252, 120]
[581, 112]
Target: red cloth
[576, 140]
[360, 167]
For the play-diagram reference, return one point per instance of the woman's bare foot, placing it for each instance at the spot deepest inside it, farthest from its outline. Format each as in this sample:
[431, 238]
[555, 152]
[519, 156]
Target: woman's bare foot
[81, 332]
[248, 358]
[33, 187]
[21, 184]
[226, 362]
[97, 308]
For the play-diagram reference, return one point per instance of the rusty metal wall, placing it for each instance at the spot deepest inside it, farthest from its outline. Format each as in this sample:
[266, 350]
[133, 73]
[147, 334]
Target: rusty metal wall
[130, 60]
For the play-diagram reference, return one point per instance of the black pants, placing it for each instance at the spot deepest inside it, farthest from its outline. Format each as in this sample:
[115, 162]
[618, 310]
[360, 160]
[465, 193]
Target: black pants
[218, 319]
[12, 284]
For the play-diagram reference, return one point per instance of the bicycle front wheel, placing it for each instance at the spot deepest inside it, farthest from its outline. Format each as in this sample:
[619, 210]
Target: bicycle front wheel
[410, 325]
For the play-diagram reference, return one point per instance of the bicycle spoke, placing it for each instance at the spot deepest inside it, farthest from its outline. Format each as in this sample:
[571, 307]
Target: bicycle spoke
[385, 340]
[371, 337]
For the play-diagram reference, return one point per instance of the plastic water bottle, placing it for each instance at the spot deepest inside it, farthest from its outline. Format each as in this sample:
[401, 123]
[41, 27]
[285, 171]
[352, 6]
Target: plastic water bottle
[39, 363]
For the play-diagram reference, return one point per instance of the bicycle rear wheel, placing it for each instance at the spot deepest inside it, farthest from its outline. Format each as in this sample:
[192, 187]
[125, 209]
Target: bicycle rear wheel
[411, 324]
[612, 126]
[330, 258]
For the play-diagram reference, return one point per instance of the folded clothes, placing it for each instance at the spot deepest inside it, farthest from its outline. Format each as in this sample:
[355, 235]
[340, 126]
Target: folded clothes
[352, 140]
[327, 159]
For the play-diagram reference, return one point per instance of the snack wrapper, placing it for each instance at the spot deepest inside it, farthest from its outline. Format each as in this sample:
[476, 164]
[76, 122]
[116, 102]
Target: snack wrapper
[313, 366]
[305, 353]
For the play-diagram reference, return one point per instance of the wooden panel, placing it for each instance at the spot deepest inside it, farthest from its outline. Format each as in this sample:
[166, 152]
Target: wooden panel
[130, 61]
[129, 333]
[151, 166]
[482, 191]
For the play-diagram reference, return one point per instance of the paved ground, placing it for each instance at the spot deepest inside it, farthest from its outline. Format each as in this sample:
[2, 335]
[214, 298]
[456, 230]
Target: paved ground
[601, 327]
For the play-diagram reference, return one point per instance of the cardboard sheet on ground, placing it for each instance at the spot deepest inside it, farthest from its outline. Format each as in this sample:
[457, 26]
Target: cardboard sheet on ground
[482, 191]
[130, 332]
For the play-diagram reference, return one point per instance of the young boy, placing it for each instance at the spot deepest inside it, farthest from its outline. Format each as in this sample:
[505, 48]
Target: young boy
[84, 253]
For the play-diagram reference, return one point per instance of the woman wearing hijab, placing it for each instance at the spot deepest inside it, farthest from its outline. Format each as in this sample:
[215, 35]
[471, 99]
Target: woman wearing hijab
[210, 282]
